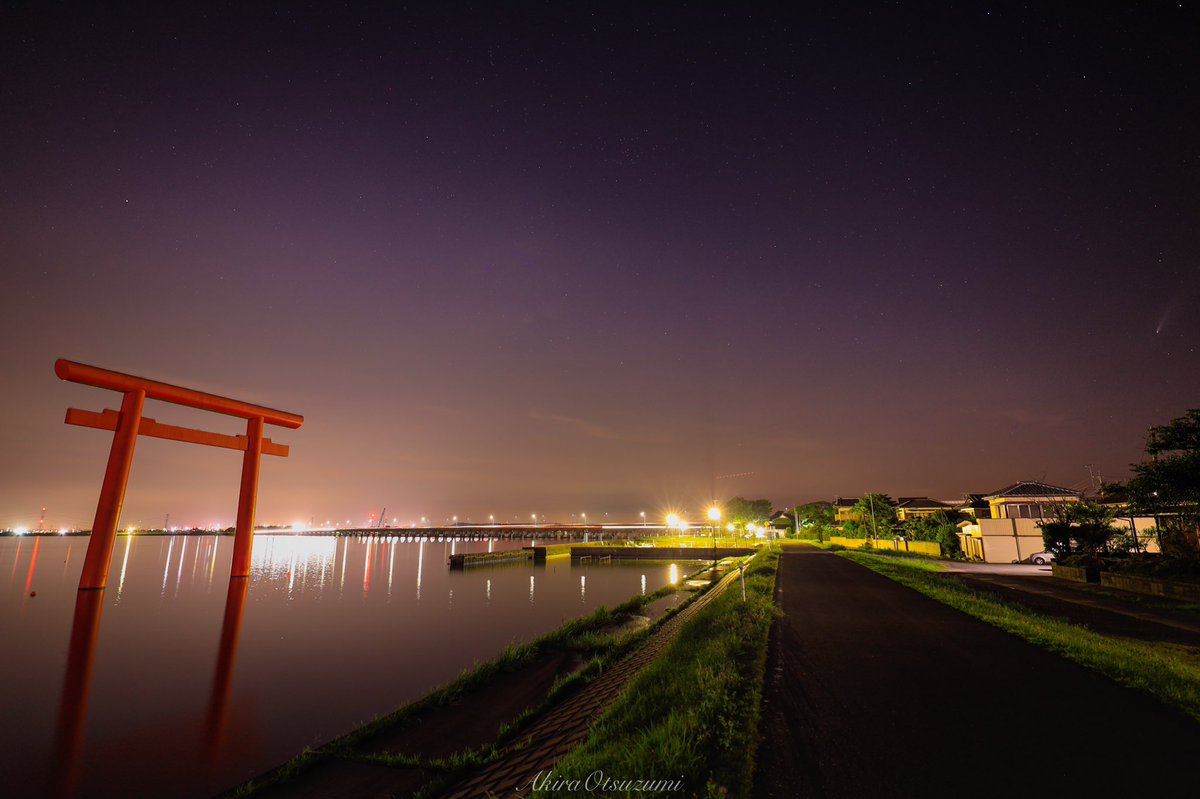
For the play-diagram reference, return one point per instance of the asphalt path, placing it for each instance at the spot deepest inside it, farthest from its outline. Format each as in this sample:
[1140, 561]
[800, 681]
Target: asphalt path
[875, 690]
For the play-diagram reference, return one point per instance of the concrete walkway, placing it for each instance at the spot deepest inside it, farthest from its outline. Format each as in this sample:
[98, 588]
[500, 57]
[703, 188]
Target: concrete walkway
[567, 725]
[875, 690]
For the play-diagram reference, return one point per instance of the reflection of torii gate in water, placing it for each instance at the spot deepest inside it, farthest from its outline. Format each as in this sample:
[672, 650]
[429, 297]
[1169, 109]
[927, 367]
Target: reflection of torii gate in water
[128, 424]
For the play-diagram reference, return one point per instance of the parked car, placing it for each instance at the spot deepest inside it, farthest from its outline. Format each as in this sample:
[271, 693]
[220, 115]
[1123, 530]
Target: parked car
[1041, 558]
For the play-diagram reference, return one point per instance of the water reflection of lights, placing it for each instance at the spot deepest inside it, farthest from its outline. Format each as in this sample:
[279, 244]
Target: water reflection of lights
[16, 559]
[643, 584]
[420, 564]
[281, 556]
[367, 567]
[179, 571]
[124, 565]
[391, 565]
[583, 588]
[212, 566]
[167, 566]
[489, 590]
[342, 582]
[531, 589]
[672, 575]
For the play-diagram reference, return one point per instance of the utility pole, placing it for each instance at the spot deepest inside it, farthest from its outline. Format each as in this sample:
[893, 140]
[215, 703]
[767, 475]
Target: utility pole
[874, 528]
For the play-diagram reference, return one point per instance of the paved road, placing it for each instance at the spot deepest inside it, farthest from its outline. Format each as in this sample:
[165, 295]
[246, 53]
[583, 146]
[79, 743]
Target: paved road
[875, 690]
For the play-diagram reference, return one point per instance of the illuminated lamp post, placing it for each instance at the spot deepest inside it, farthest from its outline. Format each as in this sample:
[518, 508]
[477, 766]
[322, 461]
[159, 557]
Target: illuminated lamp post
[714, 519]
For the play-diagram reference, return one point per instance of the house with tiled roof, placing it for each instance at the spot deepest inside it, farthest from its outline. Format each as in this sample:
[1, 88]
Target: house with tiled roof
[1029, 499]
[915, 507]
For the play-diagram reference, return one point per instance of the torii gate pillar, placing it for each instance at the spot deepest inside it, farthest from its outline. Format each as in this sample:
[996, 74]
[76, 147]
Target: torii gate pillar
[243, 537]
[112, 492]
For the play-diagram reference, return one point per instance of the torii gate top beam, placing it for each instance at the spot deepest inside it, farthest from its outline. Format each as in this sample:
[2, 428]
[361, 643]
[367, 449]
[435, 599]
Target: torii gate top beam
[118, 381]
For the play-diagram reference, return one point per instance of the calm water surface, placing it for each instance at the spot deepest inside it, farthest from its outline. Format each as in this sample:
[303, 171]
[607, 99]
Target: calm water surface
[174, 681]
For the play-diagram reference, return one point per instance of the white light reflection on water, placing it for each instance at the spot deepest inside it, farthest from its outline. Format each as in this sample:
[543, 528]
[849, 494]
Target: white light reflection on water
[290, 557]
[342, 582]
[391, 567]
[124, 566]
[179, 572]
[167, 566]
[583, 588]
[531, 589]
[212, 565]
[673, 574]
[643, 584]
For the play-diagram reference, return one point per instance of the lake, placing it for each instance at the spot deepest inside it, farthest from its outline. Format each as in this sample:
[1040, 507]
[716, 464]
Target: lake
[175, 681]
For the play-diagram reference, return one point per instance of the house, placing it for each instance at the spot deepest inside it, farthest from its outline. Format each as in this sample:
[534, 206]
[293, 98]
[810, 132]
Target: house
[975, 506]
[782, 520]
[844, 507]
[1029, 499]
[1008, 531]
[916, 507]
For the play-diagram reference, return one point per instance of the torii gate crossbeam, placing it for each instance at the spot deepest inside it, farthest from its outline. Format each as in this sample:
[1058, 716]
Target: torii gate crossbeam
[128, 424]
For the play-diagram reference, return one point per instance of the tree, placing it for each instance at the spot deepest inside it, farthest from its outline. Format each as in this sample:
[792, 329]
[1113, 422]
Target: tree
[878, 514]
[1168, 485]
[817, 519]
[742, 511]
[1084, 528]
[940, 526]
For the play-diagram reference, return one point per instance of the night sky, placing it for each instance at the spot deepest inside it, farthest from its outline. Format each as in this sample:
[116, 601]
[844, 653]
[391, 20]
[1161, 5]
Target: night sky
[559, 258]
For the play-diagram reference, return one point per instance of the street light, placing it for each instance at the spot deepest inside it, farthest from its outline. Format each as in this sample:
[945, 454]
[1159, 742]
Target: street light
[643, 518]
[714, 517]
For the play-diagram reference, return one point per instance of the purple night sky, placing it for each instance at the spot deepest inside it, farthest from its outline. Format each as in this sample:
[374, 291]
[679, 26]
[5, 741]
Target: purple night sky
[565, 257]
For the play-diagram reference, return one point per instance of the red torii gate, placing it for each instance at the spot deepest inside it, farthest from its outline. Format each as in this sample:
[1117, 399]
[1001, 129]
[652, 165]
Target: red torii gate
[128, 424]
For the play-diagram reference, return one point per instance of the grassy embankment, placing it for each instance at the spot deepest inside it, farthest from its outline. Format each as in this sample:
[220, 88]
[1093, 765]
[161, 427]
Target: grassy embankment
[1168, 671]
[692, 714]
[590, 636]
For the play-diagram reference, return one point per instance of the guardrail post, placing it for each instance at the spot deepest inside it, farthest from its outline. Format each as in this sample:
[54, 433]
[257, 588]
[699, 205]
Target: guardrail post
[243, 537]
[112, 493]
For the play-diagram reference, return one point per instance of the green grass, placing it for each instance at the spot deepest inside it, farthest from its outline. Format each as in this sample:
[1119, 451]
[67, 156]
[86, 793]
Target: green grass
[692, 714]
[586, 634]
[1168, 671]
